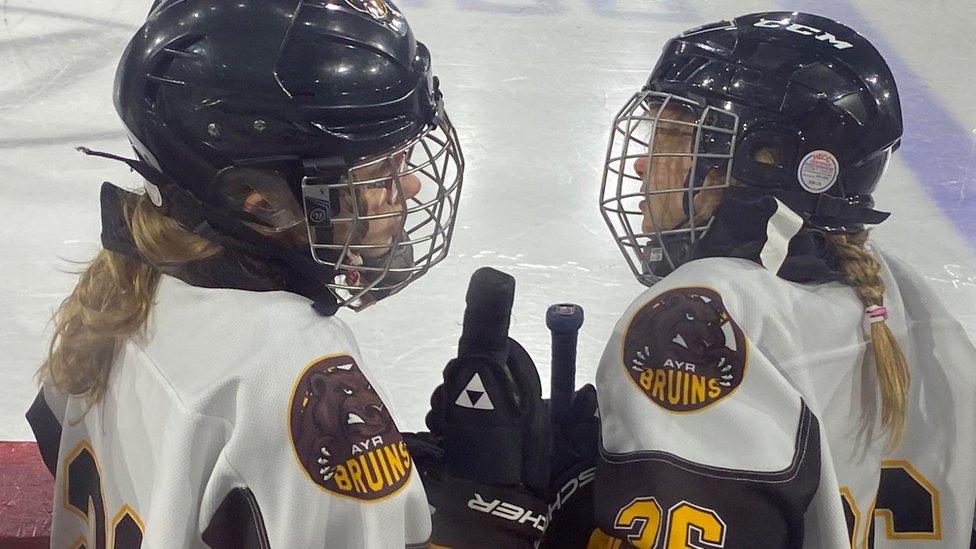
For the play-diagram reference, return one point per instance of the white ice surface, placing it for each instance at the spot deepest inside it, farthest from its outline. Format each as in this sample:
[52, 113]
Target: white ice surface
[531, 86]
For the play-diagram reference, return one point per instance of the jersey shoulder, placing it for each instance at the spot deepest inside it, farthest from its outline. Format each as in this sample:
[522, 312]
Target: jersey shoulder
[200, 338]
[292, 385]
[739, 281]
[696, 418]
[909, 290]
[682, 369]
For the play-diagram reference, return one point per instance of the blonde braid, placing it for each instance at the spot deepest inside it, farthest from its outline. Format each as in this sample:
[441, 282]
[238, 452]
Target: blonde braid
[863, 273]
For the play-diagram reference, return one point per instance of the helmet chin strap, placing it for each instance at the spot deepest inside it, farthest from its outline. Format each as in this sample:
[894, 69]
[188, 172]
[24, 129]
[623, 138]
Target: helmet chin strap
[687, 200]
[670, 251]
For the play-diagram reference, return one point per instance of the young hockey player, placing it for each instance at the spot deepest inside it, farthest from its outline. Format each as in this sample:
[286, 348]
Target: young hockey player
[198, 390]
[783, 383]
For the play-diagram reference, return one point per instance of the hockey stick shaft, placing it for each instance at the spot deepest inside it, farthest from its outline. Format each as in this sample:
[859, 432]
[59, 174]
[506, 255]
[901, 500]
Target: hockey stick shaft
[564, 321]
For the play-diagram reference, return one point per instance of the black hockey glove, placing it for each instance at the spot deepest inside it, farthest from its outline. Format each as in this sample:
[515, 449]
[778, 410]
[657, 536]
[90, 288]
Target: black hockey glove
[576, 443]
[485, 463]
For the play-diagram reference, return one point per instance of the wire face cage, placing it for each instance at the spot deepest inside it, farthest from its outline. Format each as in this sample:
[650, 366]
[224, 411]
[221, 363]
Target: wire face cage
[668, 161]
[395, 217]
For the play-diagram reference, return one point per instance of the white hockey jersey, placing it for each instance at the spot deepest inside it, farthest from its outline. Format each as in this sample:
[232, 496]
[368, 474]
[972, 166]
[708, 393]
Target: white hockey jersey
[737, 412]
[240, 419]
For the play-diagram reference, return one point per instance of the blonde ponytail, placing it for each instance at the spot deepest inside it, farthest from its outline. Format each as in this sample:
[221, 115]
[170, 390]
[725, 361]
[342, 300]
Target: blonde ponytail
[112, 300]
[863, 273]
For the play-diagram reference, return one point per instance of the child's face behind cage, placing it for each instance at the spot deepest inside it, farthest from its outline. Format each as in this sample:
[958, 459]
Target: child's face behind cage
[378, 207]
[669, 166]
[383, 200]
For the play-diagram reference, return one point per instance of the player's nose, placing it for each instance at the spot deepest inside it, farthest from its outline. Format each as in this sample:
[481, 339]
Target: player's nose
[640, 166]
[411, 186]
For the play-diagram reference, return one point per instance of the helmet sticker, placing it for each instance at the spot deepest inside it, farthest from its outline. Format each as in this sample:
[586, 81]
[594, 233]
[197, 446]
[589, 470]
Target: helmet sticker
[818, 171]
[343, 434]
[684, 351]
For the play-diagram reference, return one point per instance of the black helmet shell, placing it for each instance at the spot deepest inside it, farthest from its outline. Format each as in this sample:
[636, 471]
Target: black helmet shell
[206, 84]
[801, 85]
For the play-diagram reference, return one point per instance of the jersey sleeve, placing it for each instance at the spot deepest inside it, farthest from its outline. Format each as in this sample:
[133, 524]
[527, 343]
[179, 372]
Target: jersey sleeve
[704, 443]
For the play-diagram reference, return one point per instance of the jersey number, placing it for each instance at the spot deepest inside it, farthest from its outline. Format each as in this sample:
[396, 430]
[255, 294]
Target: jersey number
[688, 525]
[83, 496]
[907, 501]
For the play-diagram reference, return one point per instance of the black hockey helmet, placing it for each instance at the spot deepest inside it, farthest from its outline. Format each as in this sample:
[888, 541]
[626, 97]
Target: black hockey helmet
[790, 106]
[307, 94]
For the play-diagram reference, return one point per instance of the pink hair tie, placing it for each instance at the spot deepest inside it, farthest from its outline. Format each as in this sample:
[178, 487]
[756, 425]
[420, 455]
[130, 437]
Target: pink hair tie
[874, 313]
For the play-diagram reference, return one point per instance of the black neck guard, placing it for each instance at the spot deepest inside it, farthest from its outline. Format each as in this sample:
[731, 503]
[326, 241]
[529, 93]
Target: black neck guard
[739, 229]
[237, 266]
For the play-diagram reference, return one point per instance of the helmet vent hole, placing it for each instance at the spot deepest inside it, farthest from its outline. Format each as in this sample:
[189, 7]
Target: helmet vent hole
[158, 76]
[768, 156]
[684, 68]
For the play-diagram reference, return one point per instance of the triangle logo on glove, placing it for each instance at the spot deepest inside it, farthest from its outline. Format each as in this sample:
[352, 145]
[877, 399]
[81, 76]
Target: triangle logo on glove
[475, 396]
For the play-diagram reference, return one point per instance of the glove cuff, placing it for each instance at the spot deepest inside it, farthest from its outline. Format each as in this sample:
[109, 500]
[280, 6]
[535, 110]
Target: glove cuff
[475, 516]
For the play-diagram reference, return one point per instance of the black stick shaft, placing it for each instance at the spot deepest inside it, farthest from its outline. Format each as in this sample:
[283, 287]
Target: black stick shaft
[564, 321]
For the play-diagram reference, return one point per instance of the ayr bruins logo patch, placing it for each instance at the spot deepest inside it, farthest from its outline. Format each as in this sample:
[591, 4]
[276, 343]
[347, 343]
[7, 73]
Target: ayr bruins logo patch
[343, 434]
[684, 351]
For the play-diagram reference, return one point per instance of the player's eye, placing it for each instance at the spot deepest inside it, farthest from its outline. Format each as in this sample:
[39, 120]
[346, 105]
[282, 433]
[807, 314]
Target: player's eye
[347, 390]
[392, 194]
[689, 316]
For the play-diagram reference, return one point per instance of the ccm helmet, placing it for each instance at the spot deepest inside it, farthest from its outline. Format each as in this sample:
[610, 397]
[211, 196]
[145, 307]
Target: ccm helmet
[790, 111]
[307, 103]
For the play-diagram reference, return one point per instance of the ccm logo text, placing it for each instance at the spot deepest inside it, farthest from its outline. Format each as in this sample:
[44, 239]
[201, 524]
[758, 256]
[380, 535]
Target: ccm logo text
[805, 31]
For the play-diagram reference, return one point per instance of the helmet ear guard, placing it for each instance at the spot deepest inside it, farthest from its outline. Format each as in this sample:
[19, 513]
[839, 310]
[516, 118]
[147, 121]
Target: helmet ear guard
[765, 157]
[262, 198]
